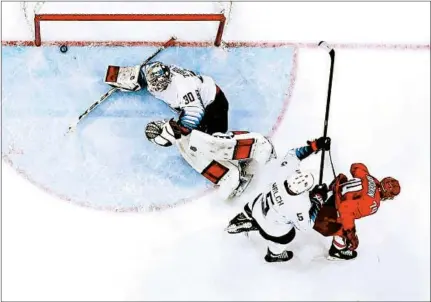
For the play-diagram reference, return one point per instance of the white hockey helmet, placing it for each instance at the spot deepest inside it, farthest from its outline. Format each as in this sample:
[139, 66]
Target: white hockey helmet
[300, 182]
[158, 76]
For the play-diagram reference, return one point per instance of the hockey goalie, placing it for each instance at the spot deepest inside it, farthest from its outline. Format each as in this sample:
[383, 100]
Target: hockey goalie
[282, 208]
[200, 132]
[198, 100]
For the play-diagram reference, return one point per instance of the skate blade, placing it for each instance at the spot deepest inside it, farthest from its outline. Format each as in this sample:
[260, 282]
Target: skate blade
[236, 230]
[233, 230]
[331, 258]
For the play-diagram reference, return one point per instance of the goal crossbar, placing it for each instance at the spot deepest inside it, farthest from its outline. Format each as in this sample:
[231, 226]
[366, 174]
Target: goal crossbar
[129, 17]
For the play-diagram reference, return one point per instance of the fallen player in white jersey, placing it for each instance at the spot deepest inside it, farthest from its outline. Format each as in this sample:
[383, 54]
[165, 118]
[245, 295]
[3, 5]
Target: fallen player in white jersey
[198, 100]
[203, 107]
[200, 130]
[282, 207]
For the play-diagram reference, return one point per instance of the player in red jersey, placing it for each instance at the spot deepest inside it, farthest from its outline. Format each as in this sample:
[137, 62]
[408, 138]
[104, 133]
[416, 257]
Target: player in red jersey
[351, 199]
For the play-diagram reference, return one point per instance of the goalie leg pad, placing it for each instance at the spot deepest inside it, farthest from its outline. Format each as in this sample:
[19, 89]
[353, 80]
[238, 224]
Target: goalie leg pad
[229, 180]
[231, 146]
[215, 171]
[243, 148]
[263, 150]
[224, 174]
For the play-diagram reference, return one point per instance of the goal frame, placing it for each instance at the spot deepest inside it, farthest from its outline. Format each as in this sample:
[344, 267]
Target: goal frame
[221, 18]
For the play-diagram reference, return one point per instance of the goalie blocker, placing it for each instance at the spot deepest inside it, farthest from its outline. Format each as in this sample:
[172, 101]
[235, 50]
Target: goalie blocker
[125, 78]
[217, 157]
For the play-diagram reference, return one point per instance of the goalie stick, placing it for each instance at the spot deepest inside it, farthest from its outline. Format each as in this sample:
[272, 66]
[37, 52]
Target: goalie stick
[73, 126]
[331, 52]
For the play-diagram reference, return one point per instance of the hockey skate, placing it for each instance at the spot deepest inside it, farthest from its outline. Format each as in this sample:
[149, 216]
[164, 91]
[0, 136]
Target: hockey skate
[241, 223]
[246, 167]
[282, 257]
[244, 181]
[344, 254]
[273, 154]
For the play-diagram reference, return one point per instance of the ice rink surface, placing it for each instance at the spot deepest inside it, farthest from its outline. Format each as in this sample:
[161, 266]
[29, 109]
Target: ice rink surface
[380, 115]
[107, 162]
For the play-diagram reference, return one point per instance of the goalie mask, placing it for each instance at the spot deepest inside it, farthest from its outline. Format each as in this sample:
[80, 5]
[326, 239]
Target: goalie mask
[299, 182]
[158, 76]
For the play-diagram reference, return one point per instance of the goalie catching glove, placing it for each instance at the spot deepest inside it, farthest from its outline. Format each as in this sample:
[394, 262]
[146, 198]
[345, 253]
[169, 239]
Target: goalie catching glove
[163, 133]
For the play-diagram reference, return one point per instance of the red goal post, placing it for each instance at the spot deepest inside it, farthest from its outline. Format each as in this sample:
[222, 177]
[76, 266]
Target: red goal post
[129, 17]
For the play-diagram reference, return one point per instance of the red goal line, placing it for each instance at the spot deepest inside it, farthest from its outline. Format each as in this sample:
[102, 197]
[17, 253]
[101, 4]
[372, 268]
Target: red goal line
[129, 17]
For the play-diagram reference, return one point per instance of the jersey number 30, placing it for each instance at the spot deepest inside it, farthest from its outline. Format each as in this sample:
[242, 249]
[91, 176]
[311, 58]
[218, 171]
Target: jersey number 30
[188, 98]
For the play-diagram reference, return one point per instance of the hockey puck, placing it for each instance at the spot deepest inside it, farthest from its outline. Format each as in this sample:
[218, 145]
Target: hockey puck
[63, 48]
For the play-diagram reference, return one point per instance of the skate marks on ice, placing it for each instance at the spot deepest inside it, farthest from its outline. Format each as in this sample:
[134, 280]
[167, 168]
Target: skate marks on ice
[108, 163]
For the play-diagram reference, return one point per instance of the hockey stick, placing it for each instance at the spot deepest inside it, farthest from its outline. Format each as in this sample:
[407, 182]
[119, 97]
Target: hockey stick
[332, 164]
[331, 52]
[169, 43]
[73, 126]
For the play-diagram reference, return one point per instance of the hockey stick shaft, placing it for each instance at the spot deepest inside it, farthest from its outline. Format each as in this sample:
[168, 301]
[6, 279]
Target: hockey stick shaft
[332, 164]
[169, 43]
[92, 107]
[328, 102]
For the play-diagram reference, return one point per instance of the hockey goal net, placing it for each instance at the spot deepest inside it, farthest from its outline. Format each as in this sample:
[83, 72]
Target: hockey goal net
[120, 23]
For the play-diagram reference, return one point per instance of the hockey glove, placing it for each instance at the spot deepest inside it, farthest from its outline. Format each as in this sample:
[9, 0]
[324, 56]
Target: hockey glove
[322, 143]
[319, 193]
[317, 197]
[160, 133]
[352, 239]
[178, 129]
[341, 178]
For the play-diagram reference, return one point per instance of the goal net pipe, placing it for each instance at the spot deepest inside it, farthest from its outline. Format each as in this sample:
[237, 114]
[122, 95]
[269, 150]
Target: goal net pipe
[129, 17]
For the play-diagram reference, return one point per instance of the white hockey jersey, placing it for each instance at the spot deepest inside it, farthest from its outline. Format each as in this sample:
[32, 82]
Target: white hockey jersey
[189, 93]
[277, 206]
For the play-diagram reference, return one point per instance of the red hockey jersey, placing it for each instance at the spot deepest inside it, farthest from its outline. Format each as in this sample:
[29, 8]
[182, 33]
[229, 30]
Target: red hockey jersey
[357, 197]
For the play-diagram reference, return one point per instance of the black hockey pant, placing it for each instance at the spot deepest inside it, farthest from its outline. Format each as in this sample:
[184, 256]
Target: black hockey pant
[216, 115]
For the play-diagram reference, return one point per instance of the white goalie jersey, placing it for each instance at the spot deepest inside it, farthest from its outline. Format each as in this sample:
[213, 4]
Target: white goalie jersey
[185, 92]
[186, 89]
